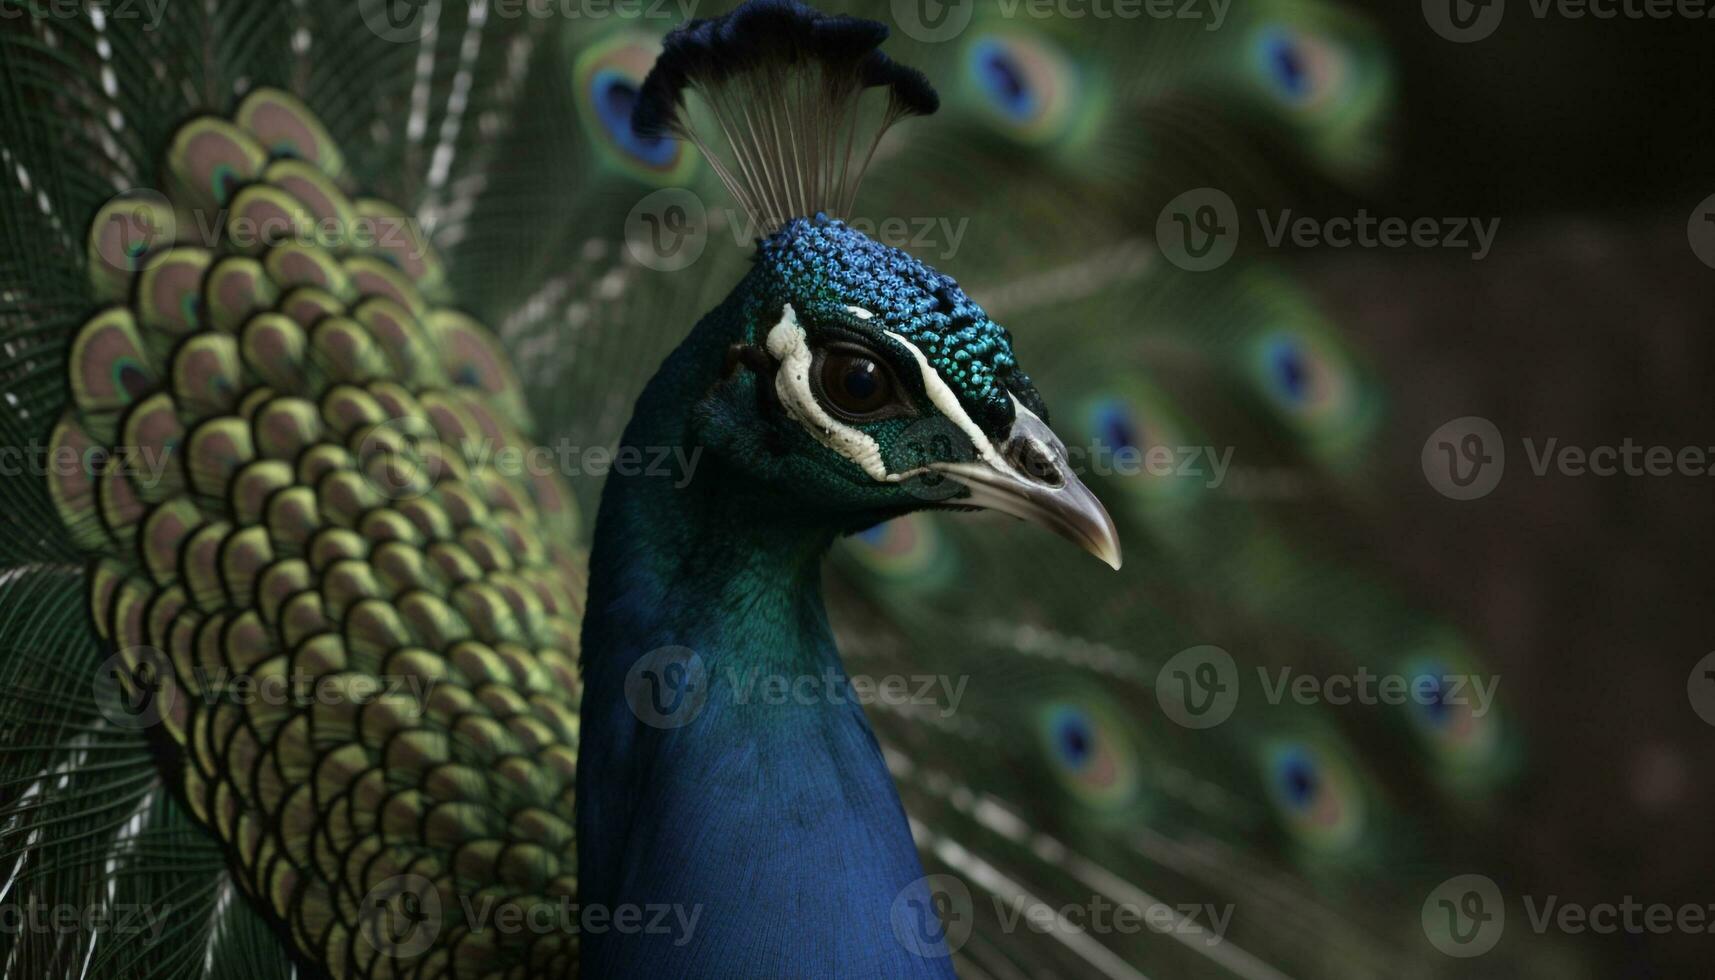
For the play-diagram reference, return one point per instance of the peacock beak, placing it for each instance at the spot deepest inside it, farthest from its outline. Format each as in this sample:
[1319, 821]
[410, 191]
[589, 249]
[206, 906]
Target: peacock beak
[1029, 476]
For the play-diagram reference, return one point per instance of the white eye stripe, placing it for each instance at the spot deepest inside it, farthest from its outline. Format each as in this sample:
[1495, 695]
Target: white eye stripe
[860, 312]
[789, 345]
[947, 403]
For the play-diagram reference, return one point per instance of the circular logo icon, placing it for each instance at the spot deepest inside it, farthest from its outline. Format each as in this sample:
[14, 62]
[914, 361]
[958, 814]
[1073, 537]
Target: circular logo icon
[932, 917]
[931, 439]
[1198, 231]
[134, 688]
[1464, 21]
[667, 230]
[1465, 458]
[132, 225]
[1701, 231]
[399, 21]
[401, 916]
[1198, 687]
[1464, 916]
[398, 457]
[667, 688]
[1700, 688]
[931, 21]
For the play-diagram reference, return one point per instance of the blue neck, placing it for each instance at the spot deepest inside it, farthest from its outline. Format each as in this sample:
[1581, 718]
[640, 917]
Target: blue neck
[770, 823]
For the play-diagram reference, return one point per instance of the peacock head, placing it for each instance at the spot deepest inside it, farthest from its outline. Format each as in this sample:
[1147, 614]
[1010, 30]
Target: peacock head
[875, 386]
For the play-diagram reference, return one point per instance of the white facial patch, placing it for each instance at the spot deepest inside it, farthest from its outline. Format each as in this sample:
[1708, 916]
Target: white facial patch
[788, 344]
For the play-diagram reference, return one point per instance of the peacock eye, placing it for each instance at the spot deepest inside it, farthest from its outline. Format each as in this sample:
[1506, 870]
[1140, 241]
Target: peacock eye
[854, 383]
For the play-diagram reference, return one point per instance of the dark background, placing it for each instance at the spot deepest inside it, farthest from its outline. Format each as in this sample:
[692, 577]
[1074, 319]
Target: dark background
[1591, 322]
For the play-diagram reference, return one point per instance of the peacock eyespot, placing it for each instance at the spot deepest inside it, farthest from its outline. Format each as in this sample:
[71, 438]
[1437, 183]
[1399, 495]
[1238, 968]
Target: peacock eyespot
[855, 384]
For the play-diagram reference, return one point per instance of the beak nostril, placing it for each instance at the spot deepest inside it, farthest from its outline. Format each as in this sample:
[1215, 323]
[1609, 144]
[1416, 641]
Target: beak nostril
[1030, 458]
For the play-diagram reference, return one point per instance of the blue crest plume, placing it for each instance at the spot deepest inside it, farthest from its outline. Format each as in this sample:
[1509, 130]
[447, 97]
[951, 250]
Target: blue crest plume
[784, 85]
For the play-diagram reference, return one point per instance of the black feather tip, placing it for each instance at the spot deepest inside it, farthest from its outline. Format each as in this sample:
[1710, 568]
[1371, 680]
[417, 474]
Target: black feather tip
[772, 33]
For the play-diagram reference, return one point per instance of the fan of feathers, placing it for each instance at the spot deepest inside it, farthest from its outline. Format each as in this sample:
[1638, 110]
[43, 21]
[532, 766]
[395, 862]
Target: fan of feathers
[1091, 763]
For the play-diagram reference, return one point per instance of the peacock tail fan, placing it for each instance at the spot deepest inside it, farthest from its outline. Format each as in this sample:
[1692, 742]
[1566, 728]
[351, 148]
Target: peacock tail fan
[280, 459]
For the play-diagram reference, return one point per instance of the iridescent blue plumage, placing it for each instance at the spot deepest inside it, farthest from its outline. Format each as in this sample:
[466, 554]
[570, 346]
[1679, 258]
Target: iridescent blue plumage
[828, 266]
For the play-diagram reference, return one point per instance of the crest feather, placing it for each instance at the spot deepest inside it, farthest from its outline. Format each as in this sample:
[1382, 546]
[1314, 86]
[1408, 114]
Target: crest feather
[784, 87]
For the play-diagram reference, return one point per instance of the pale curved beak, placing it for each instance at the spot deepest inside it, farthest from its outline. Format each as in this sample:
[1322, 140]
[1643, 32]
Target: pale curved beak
[1029, 476]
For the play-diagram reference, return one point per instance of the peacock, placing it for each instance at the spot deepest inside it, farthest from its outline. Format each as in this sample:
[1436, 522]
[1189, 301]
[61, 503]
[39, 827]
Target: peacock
[328, 326]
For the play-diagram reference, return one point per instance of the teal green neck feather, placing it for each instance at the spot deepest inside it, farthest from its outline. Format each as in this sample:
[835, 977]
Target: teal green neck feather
[775, 826]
